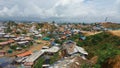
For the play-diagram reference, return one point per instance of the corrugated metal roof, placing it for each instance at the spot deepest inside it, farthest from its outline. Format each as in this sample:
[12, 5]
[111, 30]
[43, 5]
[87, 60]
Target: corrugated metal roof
[34, 56]
[52, 49]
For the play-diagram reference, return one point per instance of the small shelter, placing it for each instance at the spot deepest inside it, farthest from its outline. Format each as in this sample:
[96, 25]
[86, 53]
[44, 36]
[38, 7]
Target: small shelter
[2, 53]
[2, 34]
[29, 61]
[82, 38]
[71, 48]
[27, 53]
[53, 49]
[10, 51]
[46, 38]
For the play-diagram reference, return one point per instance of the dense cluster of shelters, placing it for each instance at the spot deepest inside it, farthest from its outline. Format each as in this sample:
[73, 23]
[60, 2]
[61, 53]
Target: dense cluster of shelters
[20, 39]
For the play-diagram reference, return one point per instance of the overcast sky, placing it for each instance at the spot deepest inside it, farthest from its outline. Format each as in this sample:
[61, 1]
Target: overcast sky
[60, 10]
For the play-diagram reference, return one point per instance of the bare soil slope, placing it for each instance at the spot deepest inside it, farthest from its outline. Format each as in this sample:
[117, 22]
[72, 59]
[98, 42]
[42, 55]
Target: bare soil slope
[112, 62]
[115, 32]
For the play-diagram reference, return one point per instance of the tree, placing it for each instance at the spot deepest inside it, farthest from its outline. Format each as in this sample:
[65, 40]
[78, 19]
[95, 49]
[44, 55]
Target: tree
[53, 22]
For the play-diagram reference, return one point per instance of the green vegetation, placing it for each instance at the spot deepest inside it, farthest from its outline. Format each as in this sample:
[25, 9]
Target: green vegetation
[112, 25]
[13, 47]
[8, 29]
[59, 41]
[9, 25]
[41, 60]
[2, 40]
[86, 28]
[30, 43]
[54, 58]
[39, 25]
[74, 37]
[39, 63]
[104, 45]
[85, 65]
[102, 38]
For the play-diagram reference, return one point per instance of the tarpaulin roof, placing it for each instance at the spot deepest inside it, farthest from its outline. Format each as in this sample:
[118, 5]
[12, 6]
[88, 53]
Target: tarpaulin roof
[6, 42]
[24, 54]
[46, 38]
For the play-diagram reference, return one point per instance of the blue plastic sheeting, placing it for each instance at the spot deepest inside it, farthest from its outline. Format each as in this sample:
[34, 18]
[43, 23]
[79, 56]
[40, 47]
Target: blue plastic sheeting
[6, 59]
[4, 64]
[53, 43]
[47, 61]
[46, 38]
[3, 60]
[7, 65]
[83, 38]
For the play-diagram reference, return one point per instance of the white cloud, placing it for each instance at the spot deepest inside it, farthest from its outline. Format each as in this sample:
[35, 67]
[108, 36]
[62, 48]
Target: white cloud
[91, 9]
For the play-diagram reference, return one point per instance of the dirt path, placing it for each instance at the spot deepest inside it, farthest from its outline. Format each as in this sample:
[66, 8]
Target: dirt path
[88, 33]
[37, 47]
[115, 32]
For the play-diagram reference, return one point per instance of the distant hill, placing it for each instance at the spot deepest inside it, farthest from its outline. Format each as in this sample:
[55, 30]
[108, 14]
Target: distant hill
[111, 25]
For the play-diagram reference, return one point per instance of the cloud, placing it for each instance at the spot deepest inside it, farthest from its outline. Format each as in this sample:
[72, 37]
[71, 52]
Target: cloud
[86, 10]
[71, 8]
